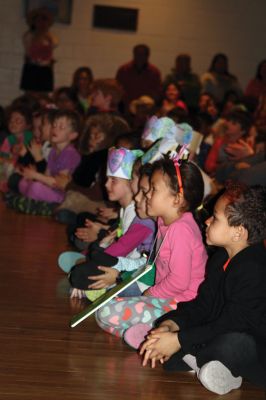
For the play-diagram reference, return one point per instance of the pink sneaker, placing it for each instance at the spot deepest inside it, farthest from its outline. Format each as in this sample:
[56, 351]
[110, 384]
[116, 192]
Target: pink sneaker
[136, 334]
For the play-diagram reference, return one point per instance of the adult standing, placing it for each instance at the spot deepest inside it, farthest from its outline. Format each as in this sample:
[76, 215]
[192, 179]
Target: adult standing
[188, 82]
[139, 77]
[257, 86]
[81, 85]
[39, 43]
[218, 81]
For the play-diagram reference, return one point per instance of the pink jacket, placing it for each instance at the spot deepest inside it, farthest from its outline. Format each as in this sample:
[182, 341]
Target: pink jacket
[180, 266]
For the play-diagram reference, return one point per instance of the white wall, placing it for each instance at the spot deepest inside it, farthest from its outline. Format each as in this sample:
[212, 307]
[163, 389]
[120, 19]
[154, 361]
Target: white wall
[198, 27]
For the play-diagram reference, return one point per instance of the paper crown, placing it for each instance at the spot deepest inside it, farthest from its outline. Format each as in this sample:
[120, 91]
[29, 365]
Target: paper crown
[120, 162]
[183, 136]
[158, 128]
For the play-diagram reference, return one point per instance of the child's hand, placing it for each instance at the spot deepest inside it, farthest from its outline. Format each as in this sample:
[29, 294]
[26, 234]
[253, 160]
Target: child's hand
[84, 234]
[107, 240]
[238, 150]
[29, 173]
[105, 280]
[107, 213]
[159, 346]
[21, 150]
[77, 293]
[16, 148]
[61, 181]
[35, 149]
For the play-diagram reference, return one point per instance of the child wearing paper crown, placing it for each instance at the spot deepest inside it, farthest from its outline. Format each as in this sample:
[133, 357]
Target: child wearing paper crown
[133, 230]
[221, 334]
[176, 191]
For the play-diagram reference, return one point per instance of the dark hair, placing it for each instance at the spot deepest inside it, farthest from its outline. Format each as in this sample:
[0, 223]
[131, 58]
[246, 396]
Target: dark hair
[214, 61]
[143, 47]
[247, 207]
[110, 125]
[133, 139]
[193, 186]
[244, 118]
[25, 111]
[109, 87]
[146, 170]
[77, 74]
[258, 73]
[192, 181]
[73, 118]
[49, 113]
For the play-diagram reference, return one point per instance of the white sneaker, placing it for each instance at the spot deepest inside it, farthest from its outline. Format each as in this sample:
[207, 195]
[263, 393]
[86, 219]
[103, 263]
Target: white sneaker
[191, 362]
[217, 378]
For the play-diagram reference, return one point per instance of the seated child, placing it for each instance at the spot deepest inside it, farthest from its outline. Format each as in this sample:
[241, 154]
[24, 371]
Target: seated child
[99, 134]
[238, 124]
[133, 230]
[106, 94]
[176, 191]
[221, 334]
[63, 159]
[18, 123]
[37, 152]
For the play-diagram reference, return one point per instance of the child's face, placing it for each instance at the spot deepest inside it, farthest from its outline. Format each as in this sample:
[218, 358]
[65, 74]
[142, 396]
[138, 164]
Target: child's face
[160, 197]
[117, 188]
[96, 137]
[61, 132]
[17, 123]
[172, 93]
[141, 199]
[99, 100]
[134, 182]
[218, 232]
[46, 129]
[234, 131]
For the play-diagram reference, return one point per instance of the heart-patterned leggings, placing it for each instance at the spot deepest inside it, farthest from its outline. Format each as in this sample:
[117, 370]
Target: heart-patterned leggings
[123, 312]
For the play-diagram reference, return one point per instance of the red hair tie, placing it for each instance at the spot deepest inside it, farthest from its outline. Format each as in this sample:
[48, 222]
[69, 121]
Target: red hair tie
[176, 157]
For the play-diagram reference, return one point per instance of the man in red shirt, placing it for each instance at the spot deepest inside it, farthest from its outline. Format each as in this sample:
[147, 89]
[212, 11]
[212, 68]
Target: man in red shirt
[139, 77]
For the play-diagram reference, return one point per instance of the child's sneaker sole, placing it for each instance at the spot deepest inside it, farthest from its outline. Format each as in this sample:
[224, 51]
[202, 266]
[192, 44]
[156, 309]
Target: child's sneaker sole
[68, 259]
[135, 335]
[215, 377]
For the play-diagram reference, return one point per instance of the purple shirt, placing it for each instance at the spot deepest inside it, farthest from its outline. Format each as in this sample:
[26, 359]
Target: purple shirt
[67, 160]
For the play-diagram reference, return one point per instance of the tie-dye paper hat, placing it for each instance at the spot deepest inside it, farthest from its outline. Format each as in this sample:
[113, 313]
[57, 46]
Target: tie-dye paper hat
[120, 162]
[158, 128]
[170, 142]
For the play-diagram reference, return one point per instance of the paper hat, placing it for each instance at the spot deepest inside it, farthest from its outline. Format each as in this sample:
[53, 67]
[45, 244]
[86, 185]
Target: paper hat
[160, 148]
[182, 136]
[158, 128]
[120, 162]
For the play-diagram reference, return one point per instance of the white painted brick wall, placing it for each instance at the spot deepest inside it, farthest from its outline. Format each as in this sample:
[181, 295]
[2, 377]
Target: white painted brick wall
[199, 27]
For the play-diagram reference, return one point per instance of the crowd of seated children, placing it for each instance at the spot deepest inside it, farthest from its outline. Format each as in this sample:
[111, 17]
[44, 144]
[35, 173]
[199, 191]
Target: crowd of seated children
[53, 158]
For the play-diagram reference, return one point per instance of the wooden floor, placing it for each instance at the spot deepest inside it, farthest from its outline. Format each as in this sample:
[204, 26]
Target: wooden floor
[41, 357]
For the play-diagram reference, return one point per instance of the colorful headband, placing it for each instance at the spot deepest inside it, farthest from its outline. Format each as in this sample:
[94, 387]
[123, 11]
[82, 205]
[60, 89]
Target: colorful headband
[120, 162]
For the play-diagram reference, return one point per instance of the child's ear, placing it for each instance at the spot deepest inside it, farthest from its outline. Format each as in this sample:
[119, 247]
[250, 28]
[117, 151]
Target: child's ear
[240, 233]
[179, 200]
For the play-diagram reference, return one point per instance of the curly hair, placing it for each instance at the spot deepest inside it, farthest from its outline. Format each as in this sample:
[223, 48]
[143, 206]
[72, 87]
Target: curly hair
[247, 207]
